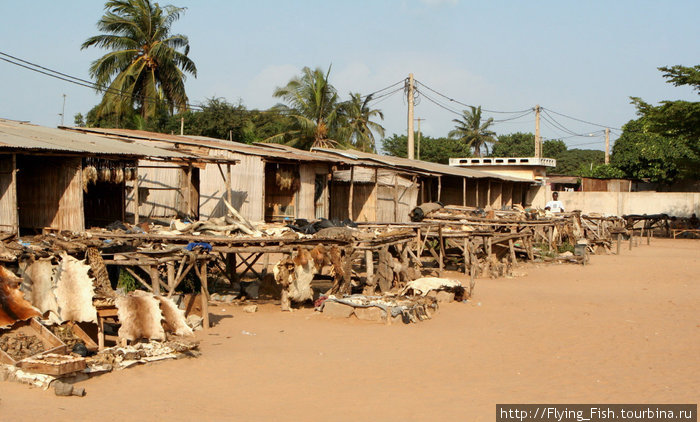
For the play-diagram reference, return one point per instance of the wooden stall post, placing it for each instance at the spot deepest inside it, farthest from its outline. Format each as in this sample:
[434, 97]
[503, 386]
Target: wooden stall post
[477, 193]
[619, 241]
[488, 194]
[464, 191]
[648, 237]
[370, 283]
[439, 188]
[228, 183]
[155, 280]
[396, 198]
[442, 252]
[136, 195]
[631, 238]
[350, 194]
[205, 294]
[467, 256]
[171, 275]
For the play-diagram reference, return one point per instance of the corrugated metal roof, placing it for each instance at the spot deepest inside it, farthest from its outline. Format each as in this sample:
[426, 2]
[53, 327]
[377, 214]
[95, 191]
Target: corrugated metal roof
[291, 154]
[417, 165]
[27, 136]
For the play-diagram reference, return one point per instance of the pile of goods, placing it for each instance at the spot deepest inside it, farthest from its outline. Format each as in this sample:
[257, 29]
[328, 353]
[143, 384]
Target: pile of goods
[20, 345]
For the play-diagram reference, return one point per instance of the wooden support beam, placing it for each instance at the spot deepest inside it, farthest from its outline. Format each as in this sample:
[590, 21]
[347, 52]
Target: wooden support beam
[464, 191]
[350, 193]
[396, 198]
[136, 196]
[205, 295]
[439, 196]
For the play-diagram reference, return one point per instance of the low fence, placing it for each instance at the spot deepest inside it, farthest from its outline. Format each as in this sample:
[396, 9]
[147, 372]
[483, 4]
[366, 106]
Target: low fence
[680, 204]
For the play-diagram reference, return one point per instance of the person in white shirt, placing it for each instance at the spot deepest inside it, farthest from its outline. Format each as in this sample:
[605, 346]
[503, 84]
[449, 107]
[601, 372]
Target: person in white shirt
[555, 204]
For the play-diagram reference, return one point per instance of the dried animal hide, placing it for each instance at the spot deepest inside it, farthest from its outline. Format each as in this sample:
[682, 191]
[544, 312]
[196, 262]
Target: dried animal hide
[295, 275]
[89, 176]
[287, 179]
[38, 286]
[74, 290]
[175, 321]
[103, 287]
[117, 175]
[13, 306]
[140, 315]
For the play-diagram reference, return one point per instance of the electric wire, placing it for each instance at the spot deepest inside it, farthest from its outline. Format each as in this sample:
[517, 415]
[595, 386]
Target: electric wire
[464, 104]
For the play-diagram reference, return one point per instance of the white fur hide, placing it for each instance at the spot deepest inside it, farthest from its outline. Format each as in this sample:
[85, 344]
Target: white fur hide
[299, 280]
[140, 315]
[74, 290]
[38, 285]
[175, 321]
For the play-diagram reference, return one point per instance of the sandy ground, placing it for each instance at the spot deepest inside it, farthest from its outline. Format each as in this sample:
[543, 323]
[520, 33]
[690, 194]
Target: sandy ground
[624, 329]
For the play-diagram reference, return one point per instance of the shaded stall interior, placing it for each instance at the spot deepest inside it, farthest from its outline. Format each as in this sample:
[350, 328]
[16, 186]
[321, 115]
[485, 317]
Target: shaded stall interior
[364, 194]
[474, 192]
[294, 190]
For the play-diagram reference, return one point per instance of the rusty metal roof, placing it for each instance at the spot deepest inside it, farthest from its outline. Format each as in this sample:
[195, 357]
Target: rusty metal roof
[26, 136]
[417, 165]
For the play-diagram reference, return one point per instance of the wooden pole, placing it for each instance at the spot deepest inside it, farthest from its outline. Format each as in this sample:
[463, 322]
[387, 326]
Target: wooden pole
[464, 191]
[488, 194]
[228, 183]
[477, 193]
[439, 188]
[205, 294]
[350, 194]
[411, 146]
[15, 209]
[136, 196]
[619, 241]
[607, 145]
[396, 198]
[631, 238]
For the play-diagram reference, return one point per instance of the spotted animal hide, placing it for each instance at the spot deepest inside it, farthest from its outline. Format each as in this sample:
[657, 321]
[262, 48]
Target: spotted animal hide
[38, 285]
[175, 321]
[13, 306]
[140, 315]
[74, 290]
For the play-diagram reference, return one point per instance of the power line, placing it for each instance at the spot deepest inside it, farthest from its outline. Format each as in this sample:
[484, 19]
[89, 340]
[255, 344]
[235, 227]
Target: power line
[75, 80]
[583, 121]
[464, 104]
[384, 89]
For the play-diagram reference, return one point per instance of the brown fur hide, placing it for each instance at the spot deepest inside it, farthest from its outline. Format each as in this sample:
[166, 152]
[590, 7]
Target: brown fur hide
[174, 317]
[74, 290]
[13, 306]
[38, 287]
[103, 287]
[140, 315]
[295, 276]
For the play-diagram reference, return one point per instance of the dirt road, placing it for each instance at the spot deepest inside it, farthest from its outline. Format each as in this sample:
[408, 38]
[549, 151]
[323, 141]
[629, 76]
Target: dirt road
[622, 330]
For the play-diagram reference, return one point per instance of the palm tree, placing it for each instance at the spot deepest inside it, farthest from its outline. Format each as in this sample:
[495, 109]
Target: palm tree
[359, 128]
[472, 132]
[313, 104]
[145, 68]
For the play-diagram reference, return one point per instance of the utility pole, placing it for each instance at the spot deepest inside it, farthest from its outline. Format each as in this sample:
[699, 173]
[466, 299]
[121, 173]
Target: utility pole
[63, 110]
[410, 118]
[607, 145]
[538, 139]
[418, 143]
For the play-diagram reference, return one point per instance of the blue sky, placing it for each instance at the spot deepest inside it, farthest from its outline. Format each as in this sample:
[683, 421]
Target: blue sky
[582, 59]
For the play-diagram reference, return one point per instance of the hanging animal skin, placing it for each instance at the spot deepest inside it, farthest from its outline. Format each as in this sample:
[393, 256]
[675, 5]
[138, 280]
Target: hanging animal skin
[175, 321]
[13, 306]
[38, 287]
[74, 290]
[140, 315]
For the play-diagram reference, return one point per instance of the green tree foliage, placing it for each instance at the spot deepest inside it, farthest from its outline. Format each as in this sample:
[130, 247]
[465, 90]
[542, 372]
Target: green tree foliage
[145, 69]
[436, 150]
[573, 161]
[641, 154]
[669, 132]
[521, 144]
[601, 171]
[358, 128]
[472, 132]
[314, 105]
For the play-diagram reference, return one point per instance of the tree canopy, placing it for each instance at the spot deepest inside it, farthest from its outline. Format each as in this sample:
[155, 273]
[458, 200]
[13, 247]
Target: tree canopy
[474, 133]
[436, 150]
[146, 67]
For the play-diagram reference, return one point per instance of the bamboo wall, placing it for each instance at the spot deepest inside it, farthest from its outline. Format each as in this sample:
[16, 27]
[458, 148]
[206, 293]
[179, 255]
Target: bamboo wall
[159, 190]
[8, 194]
[247, 186]
[364, 204]
[50, 193]
[310, 207]
[396, 197]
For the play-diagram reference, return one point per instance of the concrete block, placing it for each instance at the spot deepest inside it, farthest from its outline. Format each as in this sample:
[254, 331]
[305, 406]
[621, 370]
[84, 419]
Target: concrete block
[337, 310]
[371, 314]
[445, 297]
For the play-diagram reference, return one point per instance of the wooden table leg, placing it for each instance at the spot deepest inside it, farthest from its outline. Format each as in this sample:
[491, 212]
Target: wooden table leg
[100, 332]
